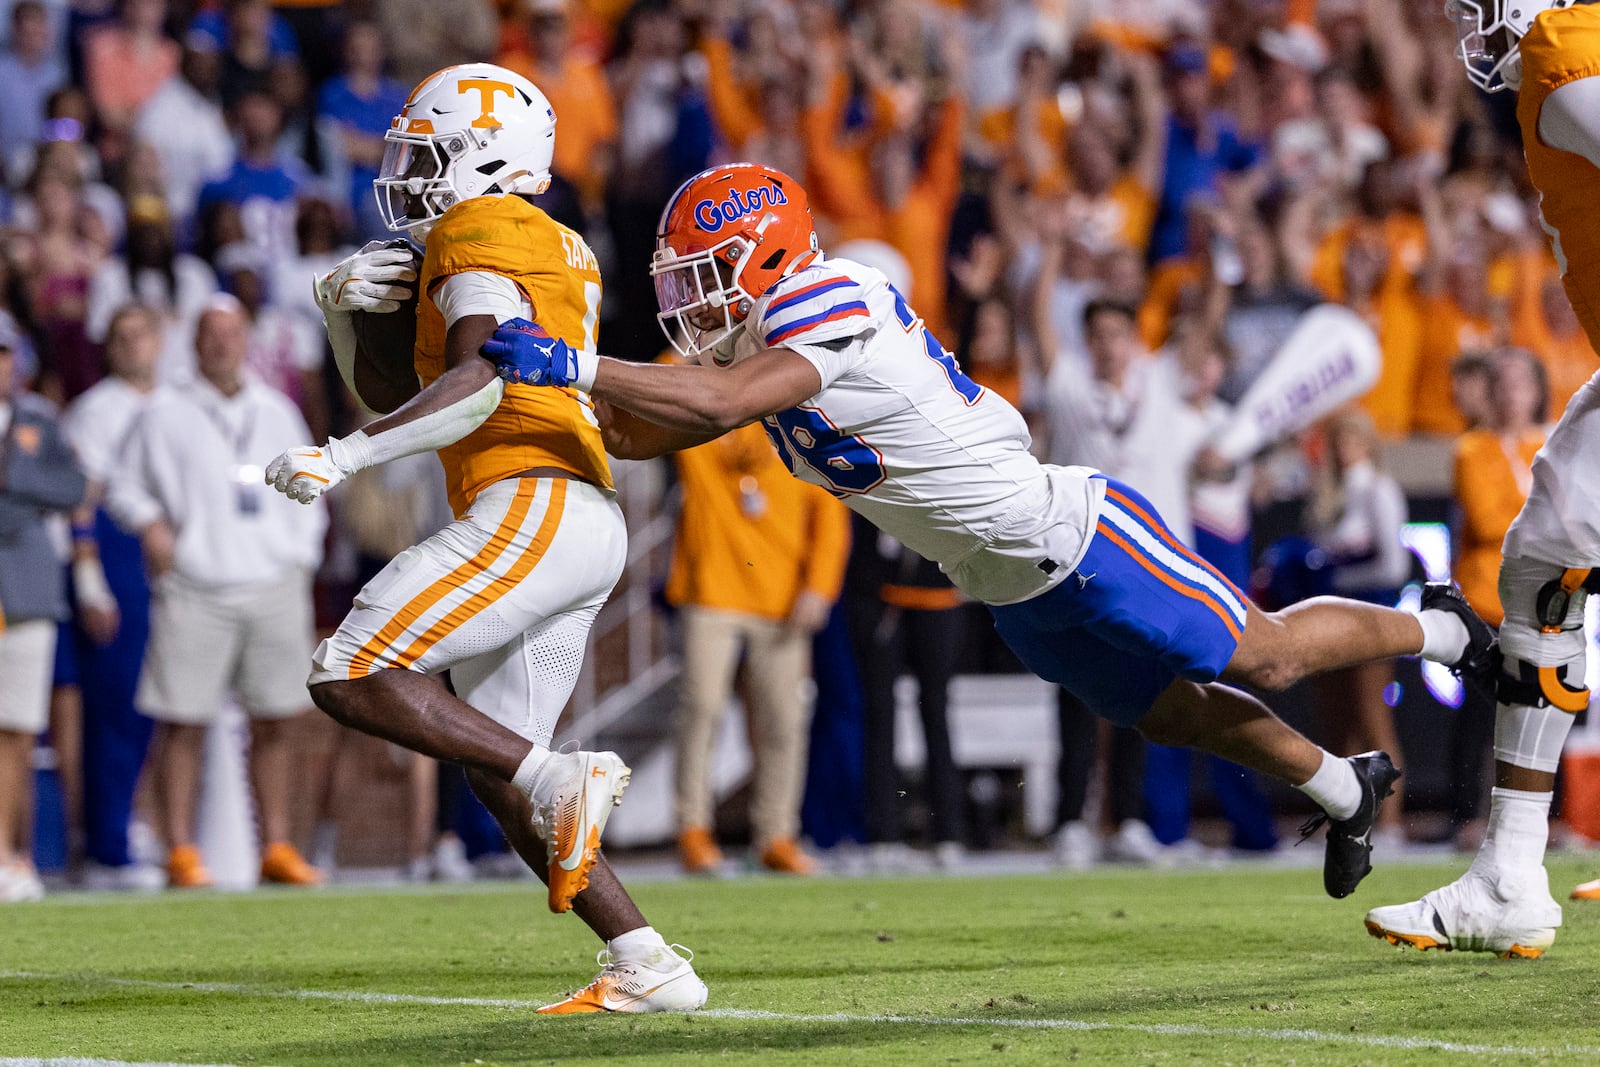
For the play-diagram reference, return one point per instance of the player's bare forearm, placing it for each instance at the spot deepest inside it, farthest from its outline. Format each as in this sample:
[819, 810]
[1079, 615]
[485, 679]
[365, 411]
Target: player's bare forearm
[707, 400]
[630, 436]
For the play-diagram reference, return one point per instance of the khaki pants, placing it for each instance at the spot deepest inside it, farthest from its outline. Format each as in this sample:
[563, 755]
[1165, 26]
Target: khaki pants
[777, 660]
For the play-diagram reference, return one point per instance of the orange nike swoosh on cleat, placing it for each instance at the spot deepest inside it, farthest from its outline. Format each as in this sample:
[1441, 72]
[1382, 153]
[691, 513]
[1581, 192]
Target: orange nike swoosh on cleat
[566, 884]
[589, 1001]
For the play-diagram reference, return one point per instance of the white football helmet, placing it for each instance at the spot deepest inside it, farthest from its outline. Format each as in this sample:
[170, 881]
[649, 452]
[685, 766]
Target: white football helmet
[1489, 35]
[469, 130]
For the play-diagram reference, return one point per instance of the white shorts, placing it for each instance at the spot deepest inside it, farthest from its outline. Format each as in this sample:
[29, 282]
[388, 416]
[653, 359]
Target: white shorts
[28, 652]
[205, 643]
[1560, 523]
[503, 599]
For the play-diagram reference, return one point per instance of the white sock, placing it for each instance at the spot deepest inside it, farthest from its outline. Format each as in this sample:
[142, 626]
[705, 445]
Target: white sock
[529, 769]
[1519, 828]
[1334, 787]
[1444, 636]
[637, 946]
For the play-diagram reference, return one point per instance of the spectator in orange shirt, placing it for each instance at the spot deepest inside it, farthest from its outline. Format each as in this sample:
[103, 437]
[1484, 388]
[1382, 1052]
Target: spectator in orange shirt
[1493, 473]
[1375, 289]
[755, 91]
[758, 563]
[574, 83]
[1544, 323]
[126, 62]
[898, 180]
[1459, 312]
[1114, 203]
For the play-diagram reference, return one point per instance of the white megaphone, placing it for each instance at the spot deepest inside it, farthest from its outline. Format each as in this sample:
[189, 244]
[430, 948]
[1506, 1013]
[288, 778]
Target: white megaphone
[1330, 359]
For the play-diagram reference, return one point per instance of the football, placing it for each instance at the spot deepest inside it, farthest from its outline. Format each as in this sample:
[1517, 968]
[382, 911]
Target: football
[385, 367]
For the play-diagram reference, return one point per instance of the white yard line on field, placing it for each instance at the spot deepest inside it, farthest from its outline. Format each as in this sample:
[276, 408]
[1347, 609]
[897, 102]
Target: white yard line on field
[79, 1061]
[1154, 1029]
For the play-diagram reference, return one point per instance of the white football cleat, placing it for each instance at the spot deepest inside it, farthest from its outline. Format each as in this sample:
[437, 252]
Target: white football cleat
[665, 982]
[1485, 910]
[573, 795]
[1076, 847]
[19, 883]
[1135, 843]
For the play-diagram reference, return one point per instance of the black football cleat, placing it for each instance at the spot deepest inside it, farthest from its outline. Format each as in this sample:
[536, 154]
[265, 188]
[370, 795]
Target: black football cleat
[1349, 855]
[1480, 663]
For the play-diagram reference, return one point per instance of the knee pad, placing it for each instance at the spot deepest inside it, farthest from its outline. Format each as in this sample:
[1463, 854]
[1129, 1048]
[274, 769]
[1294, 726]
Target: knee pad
[1542, 639]
[1545, 660]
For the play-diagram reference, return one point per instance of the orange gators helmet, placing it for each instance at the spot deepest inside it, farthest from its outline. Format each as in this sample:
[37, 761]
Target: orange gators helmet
[727, 235]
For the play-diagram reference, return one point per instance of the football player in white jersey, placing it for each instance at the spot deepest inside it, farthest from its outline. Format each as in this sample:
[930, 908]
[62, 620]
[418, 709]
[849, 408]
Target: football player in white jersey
[1085, 582]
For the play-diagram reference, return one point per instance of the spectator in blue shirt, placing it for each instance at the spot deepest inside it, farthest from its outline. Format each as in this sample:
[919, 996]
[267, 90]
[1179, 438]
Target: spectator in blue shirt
[353, 111]
[30, 72]
[264, 180]
[1202, 146]
[216, 27]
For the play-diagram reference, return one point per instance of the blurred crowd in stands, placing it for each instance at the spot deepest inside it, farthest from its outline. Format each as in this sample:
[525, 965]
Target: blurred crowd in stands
[1113, 213]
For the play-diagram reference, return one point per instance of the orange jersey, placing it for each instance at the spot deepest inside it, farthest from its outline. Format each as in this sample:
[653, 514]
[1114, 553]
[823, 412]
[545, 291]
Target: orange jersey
[1564, 46]
[533, 426]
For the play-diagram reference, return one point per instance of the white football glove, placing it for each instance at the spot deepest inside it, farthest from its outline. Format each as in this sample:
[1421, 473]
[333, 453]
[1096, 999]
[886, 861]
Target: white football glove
[304, 474]
[364, 281]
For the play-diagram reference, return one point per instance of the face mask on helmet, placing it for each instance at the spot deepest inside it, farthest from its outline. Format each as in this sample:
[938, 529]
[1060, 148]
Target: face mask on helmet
[702, 303]
[411, 184]
[1488, 38]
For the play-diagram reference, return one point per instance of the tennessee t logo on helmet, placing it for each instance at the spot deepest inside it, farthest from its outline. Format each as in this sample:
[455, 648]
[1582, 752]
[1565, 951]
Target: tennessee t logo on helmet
[727, 236]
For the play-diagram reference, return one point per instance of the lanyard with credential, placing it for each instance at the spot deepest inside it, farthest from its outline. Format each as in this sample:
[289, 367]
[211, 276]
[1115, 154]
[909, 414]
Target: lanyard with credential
[247, 484]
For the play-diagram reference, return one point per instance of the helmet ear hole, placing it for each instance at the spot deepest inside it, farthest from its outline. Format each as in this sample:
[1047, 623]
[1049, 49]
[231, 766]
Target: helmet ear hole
[774, 259]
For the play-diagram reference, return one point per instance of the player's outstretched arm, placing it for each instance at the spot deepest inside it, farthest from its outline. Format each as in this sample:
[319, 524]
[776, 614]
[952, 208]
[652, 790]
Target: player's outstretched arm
[698, 400]
[627, 436]
[452, 406]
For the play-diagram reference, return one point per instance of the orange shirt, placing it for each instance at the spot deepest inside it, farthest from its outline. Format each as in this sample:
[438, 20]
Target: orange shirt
[1447, 331]
[751, 536]
[1168, 280]
[121, 76]
[1563, 46]
[586, 115]
[999, 129]
[533, 426]
[1492, 479]
[1405, 236]
[737, 118]
[1568, 359]
[1397, 320]
[918, 227]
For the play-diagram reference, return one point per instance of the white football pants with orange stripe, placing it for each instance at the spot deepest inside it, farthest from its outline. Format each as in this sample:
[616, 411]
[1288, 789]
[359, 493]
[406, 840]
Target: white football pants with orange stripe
[503, 599]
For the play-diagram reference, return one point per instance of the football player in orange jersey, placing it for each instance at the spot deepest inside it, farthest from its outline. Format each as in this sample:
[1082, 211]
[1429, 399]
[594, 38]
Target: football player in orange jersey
[503, 598]
[1548, 51]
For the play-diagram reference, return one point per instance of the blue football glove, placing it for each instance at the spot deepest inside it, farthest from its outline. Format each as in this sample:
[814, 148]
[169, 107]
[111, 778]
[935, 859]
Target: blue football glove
[524, 352]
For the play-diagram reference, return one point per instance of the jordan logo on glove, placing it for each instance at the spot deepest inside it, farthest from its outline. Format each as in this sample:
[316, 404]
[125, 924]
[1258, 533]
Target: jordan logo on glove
[525, 353]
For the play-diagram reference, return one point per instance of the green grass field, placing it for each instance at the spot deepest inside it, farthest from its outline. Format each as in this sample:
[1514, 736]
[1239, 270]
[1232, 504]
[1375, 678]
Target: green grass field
[1244, 966]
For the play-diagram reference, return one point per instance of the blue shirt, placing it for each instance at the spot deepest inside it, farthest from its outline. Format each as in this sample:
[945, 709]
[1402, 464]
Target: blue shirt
[370, 115]
[27, 88]
[1192, 171]
[278, 181]
[212, 26]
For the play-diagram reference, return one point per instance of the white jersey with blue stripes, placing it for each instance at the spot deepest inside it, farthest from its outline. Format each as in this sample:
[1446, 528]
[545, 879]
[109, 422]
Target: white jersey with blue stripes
[902, 436]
